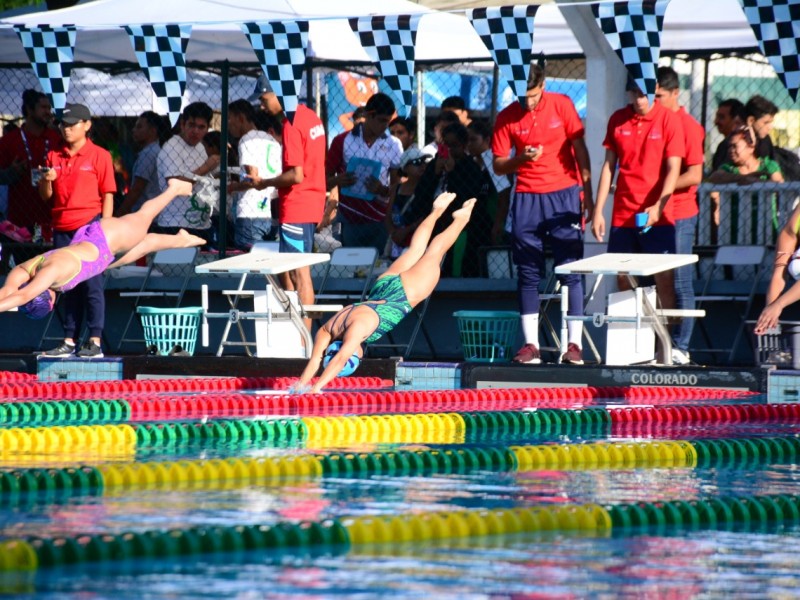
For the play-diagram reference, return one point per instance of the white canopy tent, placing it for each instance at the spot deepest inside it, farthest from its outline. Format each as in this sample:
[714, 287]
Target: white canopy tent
[688, 25]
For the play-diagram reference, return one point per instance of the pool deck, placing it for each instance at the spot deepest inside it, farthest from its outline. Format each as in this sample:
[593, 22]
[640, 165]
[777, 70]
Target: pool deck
[412, 375]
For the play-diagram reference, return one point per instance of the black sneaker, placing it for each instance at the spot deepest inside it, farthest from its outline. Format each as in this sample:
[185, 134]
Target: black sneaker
[65, 349]
[90, 350]
[178, 351]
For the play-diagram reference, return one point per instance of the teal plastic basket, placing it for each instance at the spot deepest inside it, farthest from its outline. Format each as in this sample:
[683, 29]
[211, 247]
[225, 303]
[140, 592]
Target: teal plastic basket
[487, 335]
[166, 328]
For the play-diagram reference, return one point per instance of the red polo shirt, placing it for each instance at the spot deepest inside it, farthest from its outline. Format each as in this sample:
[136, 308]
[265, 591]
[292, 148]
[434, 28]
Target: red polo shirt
[82, 181]
[553, 124]
[304, 146]
[684, 200]
[642, 144]
[25, 206]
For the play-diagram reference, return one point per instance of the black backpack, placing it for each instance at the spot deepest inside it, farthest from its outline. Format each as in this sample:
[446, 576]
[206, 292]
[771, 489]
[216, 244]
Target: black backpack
[789, 163]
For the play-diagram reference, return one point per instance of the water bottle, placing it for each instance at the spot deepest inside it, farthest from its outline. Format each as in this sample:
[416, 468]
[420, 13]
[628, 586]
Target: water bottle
[37, 234]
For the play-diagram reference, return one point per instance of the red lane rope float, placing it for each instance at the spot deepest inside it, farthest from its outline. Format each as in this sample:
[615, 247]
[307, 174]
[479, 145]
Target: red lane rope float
[340, 383]
[145, 407]
[629, 420]
[6, 376]
[26, 389]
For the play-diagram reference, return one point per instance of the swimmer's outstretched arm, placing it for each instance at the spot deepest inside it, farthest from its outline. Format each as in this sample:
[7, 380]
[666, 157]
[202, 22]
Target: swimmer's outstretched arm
[321, 341]
[17, 277]
[16, 298]
[350, 344]
[772, 312]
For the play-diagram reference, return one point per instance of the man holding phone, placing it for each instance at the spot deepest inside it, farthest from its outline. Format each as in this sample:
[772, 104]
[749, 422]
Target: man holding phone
[552, 166]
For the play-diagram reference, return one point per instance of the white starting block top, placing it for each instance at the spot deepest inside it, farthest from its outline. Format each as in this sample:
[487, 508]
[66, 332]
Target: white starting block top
[627, 264]
[268, 263]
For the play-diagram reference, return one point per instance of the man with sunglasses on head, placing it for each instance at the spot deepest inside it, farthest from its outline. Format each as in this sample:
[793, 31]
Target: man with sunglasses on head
[78, 182]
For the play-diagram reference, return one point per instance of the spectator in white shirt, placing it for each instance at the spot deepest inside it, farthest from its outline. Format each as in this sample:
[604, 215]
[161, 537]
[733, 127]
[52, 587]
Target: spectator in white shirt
[259, 158]
[182, 154]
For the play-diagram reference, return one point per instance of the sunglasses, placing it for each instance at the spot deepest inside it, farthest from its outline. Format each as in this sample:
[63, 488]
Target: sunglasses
[747, 133]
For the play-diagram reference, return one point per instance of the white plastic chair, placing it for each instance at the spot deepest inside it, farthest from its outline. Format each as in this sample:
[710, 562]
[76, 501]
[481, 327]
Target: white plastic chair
[750, 257]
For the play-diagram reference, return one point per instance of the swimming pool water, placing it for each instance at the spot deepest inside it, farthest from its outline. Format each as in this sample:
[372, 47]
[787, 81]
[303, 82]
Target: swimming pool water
[731, 561]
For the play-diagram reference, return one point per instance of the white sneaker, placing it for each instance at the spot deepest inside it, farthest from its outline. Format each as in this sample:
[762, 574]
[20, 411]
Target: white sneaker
[680, 357]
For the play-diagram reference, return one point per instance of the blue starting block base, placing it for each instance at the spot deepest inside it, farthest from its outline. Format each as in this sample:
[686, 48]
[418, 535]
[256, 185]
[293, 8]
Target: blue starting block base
[78, 369]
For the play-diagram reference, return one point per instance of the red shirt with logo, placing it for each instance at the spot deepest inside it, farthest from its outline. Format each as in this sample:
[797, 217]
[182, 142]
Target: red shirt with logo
[25, 207]
[553, 124]
[82, 181]
[304, 146]
[684, 200]
[642, 144]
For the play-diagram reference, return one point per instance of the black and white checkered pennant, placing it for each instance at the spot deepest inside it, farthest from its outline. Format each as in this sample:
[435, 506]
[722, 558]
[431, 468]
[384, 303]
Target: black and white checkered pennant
[161, 52]
[51, 52]
[633, 29]
[507, 32]
[389, 42]
[281, 50]
[776, 24]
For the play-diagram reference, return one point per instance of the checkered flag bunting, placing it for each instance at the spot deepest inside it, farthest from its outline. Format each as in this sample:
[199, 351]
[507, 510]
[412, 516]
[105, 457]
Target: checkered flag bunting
[389, 42]
[776, 24]
[51, 51]
[507, 32]
[281, 51]
[161, 52]
[633, 30]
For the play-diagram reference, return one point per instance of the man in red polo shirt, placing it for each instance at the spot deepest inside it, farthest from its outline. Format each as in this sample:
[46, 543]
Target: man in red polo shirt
[23, 151]
[301, 185]
[80, 186]
[646, 140]
[684, 206]
[551, 163]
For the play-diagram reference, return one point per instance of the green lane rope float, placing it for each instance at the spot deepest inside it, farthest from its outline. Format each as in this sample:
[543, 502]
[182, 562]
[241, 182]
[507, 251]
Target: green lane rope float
[112, 478]
[744, 512]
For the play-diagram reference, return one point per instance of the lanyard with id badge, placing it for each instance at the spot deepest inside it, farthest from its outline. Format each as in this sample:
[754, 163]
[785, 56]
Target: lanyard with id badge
[36, 172]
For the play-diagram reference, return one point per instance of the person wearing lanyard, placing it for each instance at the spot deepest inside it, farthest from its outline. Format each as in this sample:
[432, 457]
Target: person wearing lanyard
[79, 182]
[22, 152]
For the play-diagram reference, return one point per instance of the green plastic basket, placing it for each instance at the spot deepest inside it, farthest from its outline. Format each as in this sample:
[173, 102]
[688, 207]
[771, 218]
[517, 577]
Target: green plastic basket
[166, 328]
[487, 335]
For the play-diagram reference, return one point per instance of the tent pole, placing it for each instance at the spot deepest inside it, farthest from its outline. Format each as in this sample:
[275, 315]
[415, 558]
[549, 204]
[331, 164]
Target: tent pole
[420, 110]
[704, 102]
[311, 97]
[223, 162]
[495, 88]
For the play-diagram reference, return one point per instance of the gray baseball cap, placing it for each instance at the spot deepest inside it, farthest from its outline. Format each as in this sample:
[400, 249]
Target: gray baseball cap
[262, 87]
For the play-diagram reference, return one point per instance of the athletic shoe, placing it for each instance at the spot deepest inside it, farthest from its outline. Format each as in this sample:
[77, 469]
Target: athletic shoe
[65, 349]
[680, 357]
[529, 355]
[90, 350]
[573, 355]
[178, 350]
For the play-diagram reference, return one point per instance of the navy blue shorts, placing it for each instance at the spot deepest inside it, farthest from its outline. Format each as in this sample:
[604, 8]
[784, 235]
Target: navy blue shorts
[297, 237]
[630, 240]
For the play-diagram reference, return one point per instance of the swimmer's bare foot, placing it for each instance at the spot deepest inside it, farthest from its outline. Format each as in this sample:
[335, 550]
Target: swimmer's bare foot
[188, 240]
[464, 212]
[180, 186]
[443, 201]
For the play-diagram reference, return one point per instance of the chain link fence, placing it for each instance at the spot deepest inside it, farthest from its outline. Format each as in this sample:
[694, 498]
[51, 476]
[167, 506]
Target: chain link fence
[117, 97]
